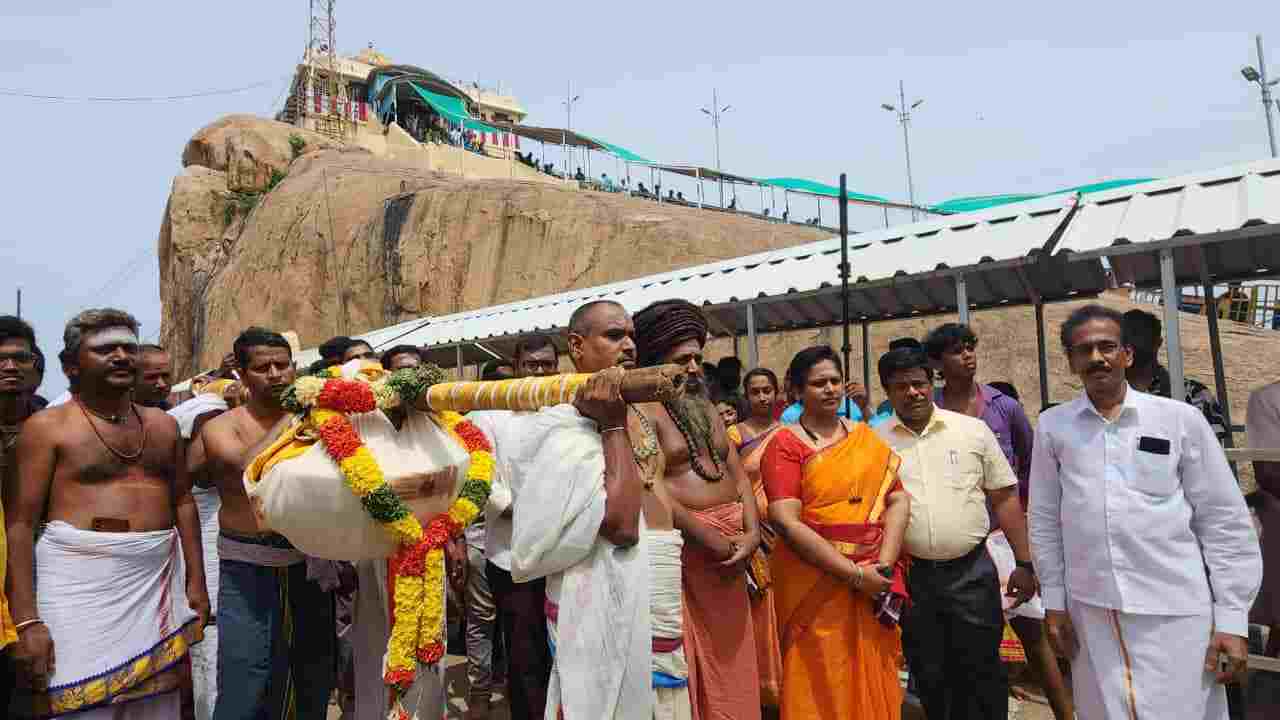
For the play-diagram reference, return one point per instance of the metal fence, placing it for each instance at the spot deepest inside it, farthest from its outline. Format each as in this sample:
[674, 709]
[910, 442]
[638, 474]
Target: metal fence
[1255, 303]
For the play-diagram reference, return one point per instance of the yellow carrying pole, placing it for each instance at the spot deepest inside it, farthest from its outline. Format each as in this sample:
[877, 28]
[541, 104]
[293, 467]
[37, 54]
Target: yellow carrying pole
[652, 384]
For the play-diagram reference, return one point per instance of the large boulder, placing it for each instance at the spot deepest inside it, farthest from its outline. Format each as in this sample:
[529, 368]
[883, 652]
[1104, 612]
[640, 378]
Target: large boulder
[249, 149]
[350, 241]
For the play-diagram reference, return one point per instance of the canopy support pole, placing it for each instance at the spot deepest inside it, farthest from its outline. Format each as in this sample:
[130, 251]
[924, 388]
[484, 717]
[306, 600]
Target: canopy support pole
[1215, 345]
[753, 341]
[819, 212]
[886, 216]
[962, 299]
[846, 348]
[735, 345]
[761, 199]
[1042, 358]
[1173, 334]
[697, 172]
[866, 355]
[457, 349]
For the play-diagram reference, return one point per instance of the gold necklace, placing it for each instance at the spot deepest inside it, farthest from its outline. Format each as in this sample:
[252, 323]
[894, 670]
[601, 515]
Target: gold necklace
[648, 445]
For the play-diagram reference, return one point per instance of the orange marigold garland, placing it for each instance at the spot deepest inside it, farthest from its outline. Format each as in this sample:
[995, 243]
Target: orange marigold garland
[417, 567]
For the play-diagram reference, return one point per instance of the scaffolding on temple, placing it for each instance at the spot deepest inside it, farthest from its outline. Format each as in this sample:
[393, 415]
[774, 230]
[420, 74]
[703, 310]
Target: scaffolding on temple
[322, 95]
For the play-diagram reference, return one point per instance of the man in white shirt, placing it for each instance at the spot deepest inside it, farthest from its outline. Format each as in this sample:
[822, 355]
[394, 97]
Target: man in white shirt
[1131, 501]
[519, 606]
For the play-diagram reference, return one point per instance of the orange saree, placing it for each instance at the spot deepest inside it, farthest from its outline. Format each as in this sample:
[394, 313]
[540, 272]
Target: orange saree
[838, 659]
[763, 615]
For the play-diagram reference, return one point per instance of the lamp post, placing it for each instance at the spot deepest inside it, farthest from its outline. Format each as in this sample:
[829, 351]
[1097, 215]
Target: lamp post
[714, 113]
[569, 100]
[904, 116]
[1259, 75]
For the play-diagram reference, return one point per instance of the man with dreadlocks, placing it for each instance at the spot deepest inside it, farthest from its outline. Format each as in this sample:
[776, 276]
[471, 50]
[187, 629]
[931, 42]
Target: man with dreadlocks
[714, 507]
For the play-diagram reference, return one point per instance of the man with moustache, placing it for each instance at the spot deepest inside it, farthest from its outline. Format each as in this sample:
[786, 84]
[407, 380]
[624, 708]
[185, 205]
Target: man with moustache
[154, 377]
[576, 492]
[17, 361]
[114, 588]
[952, 468]
[275, 623]
[714, 507]
[1144, 544]
[493, 599]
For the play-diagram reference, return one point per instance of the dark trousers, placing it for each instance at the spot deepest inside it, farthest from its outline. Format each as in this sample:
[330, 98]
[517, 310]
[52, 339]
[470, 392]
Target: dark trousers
[521, 609]
[951, 638]
[276, 643]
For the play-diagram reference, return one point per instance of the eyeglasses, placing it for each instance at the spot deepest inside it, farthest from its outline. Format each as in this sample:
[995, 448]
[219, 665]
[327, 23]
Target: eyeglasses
[22, 358]
[1106, 348]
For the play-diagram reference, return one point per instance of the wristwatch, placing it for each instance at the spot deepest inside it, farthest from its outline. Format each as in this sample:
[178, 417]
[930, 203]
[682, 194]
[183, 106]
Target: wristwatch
[1026, 565]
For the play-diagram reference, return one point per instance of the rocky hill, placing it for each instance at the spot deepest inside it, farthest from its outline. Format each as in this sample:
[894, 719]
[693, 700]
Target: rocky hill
[340, 240]
[273, 226]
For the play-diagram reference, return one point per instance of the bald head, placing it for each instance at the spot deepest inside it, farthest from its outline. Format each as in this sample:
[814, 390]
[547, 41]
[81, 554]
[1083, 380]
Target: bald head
[601, 335]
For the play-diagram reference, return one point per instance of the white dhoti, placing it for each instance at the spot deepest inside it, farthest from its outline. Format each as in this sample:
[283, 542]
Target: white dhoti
[204, 657]
[670, 669]
[1132, 667]
[116, 608]
[370, 630]
[599, 592]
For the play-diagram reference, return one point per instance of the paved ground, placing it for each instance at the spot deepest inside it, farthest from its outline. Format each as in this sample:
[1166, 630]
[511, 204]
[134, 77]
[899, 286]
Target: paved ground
[456, 684]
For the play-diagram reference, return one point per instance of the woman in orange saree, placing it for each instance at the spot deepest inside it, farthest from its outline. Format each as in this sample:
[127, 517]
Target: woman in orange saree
[838, 505]
[751, 437]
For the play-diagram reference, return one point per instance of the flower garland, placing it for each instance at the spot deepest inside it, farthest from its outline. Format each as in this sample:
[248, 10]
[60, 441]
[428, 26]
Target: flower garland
[417, 567]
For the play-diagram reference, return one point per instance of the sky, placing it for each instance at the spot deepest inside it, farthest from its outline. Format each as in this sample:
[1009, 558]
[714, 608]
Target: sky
[1016, 99]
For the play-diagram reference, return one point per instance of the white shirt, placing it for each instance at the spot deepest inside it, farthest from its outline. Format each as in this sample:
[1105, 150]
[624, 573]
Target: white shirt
[1127, 514]
[496, 529]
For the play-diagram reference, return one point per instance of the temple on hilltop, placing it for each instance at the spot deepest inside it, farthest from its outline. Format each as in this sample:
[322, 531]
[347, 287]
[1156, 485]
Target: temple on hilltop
[358, 99]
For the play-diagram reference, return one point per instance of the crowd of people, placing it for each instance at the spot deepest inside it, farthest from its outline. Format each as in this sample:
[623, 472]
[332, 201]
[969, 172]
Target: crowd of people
[764, 545]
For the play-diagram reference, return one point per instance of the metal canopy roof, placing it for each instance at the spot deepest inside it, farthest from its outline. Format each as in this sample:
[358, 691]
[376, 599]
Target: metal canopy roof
[1229, 216]
[896, 272]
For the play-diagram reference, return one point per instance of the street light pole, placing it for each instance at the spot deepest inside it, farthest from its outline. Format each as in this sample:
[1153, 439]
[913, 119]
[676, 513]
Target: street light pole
[904, 116]
[714, 113]
[1259, 75]
[569, 100]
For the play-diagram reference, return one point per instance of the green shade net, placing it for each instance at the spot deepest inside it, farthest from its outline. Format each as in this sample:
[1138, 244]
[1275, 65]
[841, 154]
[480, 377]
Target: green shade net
[816, 188]
[618, 151]
[452, 109]
[982, 202]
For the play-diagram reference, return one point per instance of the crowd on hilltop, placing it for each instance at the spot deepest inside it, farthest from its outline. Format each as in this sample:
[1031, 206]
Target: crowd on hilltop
[767, 544]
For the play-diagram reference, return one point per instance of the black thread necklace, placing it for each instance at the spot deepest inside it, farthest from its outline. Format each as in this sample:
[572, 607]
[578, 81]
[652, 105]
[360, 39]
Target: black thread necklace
[123, 457]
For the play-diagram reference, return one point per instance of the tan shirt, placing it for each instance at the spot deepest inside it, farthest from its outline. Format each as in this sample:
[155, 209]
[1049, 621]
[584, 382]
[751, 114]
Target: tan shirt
[947, 470]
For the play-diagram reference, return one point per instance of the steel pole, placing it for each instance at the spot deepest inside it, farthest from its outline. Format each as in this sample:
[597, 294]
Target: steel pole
[1266, 96]
[844, 269]
[1173, 332]
[715, 121]
[1042, 357]
[1215, 346]
[906, 145]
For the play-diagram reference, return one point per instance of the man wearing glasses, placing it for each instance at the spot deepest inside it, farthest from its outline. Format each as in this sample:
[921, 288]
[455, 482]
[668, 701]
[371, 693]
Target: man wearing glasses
[1147, 558]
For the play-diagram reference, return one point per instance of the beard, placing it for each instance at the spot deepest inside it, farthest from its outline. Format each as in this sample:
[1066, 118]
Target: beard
[694, 407]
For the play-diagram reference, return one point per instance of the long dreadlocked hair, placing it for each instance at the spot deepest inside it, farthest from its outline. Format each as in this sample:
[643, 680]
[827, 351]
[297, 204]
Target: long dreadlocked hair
[664, 325]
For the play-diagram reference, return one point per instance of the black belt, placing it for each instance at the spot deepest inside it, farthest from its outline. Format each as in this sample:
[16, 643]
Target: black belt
[953, 562]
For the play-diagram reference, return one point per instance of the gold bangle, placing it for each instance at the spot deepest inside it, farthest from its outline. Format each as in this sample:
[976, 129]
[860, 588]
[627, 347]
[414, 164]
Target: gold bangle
[19, 627]
[615, 428]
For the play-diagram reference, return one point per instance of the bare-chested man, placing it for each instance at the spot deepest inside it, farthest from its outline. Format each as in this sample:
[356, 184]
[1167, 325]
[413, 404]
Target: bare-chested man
[715, 509]
[602, 335]
[118, 573]
[275, 626]
[17, 362]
